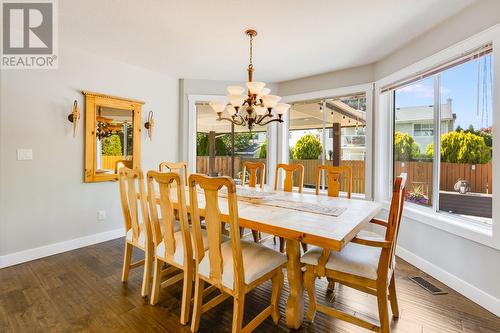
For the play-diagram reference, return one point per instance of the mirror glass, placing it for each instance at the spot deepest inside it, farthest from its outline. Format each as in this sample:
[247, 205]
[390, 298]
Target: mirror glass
[114, 139]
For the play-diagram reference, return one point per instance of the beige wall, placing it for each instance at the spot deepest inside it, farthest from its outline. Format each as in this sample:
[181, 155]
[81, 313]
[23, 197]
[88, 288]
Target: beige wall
[44, 201]
[338, 79]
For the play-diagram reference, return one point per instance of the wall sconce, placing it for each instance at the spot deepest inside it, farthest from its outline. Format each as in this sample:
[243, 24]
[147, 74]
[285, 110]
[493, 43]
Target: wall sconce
[149, 124]
[74, 117]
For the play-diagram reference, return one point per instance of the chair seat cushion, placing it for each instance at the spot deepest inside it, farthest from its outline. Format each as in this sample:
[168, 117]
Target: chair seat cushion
[142, 235]
[179, 245]
[356, 259]
[258, 260]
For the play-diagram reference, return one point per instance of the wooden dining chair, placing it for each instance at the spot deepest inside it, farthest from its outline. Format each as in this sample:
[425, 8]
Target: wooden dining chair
[179, 167]
[235, 267]
[254, 168]
[123, 163]
[288, 182]
[172, 242]
[366, 264]
[334, 174]
[289, 169]
[138, 230]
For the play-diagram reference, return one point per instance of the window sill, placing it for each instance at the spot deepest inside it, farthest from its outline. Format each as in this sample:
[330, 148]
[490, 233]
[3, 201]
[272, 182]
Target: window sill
[470, 230]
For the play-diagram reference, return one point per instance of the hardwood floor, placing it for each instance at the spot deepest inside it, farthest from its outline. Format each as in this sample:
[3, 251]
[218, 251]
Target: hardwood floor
[80, 291]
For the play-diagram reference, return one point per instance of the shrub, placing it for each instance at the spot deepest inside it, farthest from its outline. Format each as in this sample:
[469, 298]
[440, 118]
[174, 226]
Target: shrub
[307, 148]
[263, 150]
[462, 147]
[112, 146]
[405, 148]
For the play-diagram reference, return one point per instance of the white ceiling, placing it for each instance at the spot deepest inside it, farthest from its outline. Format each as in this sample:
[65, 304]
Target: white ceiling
[205, 40]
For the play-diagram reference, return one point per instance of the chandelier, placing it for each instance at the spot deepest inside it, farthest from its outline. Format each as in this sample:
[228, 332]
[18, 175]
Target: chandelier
[256, 106]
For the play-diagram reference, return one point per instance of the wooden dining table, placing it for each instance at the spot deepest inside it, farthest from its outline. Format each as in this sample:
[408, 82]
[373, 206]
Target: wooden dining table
[298, 223]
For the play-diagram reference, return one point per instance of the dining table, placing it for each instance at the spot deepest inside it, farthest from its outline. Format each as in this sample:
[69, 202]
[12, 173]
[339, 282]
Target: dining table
[317, 220]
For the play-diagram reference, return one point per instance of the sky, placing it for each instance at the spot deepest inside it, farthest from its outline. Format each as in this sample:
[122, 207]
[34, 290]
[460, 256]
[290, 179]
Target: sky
[460, 84]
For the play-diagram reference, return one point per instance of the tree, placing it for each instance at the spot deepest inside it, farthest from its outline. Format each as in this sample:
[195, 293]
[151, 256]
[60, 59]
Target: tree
[242, 141]
[307, 148]
[202, 149]
[462, 147]
[405, 148]
[263, 150]
[112, 146]
[485, 133]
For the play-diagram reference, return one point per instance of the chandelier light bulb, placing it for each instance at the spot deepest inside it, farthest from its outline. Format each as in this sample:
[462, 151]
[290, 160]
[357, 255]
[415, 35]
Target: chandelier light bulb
[236, 100]
[255, 87]
[218, 107]
[270, 101]
[260, 110]
[264, 91]
[282, 108]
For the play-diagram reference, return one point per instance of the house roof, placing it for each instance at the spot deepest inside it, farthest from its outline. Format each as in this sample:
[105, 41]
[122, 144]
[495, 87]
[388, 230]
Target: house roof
[423, 112]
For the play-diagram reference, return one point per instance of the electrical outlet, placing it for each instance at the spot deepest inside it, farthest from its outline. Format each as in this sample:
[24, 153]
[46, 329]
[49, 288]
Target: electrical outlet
[101, 215]
[24, 154]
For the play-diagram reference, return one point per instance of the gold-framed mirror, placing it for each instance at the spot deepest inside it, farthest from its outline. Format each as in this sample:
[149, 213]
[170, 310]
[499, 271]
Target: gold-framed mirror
[112, 135]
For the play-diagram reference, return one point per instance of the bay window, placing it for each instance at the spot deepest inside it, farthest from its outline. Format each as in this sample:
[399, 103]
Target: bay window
[443, 136]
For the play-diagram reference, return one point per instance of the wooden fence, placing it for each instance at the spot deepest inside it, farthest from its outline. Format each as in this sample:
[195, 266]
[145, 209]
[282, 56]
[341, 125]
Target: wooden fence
[223, 166]
[479, 176]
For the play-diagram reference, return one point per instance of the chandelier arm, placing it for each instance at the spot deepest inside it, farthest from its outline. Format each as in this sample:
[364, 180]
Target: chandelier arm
[262, 117]
[271, 121]
[241, 122]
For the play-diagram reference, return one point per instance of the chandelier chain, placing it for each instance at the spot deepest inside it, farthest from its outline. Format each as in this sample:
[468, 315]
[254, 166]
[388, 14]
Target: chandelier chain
[251, 51]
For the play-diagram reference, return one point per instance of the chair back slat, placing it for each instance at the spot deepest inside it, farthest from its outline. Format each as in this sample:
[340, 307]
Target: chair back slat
[289, 170]
[179, 167]
[170, 184]
[213, 220]
[133, 197]
[394, 219]
[253, 168]
[123, 163]
[334, 174]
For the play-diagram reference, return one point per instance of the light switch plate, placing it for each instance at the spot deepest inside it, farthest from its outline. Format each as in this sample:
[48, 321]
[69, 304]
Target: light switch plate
[24, 154]
[101, 215]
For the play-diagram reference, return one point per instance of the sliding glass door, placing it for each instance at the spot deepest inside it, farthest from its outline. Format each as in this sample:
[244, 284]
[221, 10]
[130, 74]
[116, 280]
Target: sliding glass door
[248, 146]
[330, 131]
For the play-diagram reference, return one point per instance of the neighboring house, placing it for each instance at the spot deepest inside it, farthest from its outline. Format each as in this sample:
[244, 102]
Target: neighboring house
[417, 121]
[253, 150]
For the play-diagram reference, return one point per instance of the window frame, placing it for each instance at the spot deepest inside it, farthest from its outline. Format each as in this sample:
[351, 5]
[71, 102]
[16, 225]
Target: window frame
[436, 134]
[384, 122]
[424, 130]
[192, 130]
[368, 90]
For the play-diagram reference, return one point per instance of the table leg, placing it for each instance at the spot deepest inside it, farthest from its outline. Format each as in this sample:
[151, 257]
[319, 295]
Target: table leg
[295, 303]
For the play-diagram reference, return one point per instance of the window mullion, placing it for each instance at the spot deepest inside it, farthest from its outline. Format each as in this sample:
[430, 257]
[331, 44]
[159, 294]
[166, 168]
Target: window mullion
[437, 143]
[323, 106]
